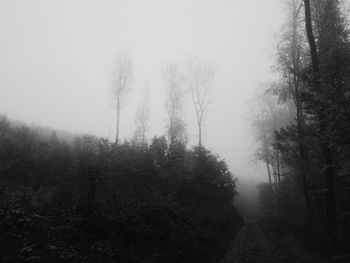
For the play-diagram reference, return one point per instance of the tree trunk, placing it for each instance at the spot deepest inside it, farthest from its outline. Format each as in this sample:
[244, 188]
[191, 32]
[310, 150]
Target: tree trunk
[329, 172]
[330, 182]
[268, 171]
[266, 155]
[310, 37]
[199, 134]
[278, 168]
[303, 156]
[299, 111]
[118, 120]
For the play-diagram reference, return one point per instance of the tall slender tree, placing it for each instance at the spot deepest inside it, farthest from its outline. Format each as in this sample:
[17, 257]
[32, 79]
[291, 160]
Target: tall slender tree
[330, 10]
[174, 102]
[122, 76]
[142, 118]
[291, 53]
[269, 116]
[200, 77]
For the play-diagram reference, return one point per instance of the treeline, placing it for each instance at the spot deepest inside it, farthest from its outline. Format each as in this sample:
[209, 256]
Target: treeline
[90, 200]
[303, 126]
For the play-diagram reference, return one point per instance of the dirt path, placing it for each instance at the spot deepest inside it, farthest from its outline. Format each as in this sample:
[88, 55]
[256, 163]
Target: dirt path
[251, 246]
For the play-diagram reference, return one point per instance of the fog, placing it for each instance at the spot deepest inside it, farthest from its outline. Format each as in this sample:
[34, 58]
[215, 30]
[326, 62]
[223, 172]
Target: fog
[57, 60]
[174, 131]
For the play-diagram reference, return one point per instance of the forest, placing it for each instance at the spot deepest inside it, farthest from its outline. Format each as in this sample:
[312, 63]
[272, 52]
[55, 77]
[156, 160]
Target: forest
[81, 198]
[91, 200]
[301, 124]
[171, 196]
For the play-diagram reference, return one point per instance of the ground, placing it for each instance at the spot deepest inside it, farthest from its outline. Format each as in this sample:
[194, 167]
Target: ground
[251, 246]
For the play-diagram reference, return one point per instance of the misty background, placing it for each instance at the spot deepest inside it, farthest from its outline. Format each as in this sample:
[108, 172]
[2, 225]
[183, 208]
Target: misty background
[57, 61]
[174, 131]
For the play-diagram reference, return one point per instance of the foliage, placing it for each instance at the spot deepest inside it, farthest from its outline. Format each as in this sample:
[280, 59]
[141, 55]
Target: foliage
[314, 147]
[94, 201]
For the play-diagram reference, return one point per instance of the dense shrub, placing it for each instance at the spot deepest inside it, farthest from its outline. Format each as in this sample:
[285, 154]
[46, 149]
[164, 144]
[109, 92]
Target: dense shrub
[89, 200]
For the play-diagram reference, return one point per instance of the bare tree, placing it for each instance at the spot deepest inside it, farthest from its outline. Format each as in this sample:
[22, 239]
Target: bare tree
[200, 77]
[174, 102]
[142, 118]
[122, 76]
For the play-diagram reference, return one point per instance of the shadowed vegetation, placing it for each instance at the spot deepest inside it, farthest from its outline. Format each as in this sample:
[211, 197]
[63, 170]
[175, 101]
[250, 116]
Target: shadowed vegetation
[93, 201]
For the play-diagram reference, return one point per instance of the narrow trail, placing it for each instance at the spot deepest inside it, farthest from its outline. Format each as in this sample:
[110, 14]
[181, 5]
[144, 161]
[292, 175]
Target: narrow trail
[250, 246]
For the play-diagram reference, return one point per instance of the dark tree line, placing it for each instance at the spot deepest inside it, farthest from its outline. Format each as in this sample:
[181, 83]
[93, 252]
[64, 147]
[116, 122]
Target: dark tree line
[90, 200]
[313, 61]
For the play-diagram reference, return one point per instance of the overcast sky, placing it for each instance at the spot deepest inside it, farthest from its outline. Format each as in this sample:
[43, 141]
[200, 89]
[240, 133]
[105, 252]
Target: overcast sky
[56, 59]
